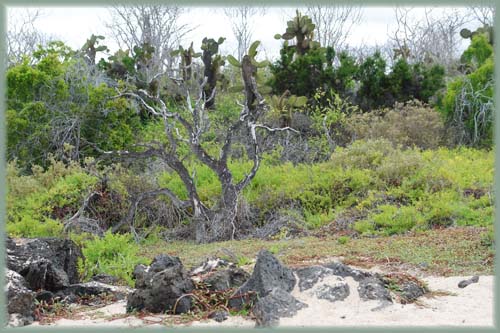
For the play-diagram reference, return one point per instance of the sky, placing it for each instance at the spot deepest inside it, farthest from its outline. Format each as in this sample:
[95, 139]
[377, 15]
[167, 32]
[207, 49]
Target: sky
[74, 25]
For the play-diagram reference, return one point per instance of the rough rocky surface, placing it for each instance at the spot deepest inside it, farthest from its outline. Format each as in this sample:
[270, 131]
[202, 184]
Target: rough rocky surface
[219, 316]
[210, 264]
[372, 288]
[309, 276]
[333, 292]
[278, 303]
[105, 278]
[268, 274]
[44, 274]
[465, 283]
[94, 288]
[411, 291]
[44, 296]
[161, 287]
[225, 279]
[62, 253]
[20, 304]
[343, 270]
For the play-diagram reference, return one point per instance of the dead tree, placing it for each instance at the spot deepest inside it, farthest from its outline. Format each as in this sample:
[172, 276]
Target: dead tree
[431, 38]
[22, 37]
[220, 221]
[156, 25]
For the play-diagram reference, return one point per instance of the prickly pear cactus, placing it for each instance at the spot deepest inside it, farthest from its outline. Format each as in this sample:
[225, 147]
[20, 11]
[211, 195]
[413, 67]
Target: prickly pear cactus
[249, 66]
[187, 56]
[486, 29]
[301, 28]
[212, 62]
[285, 104]
[91, 47]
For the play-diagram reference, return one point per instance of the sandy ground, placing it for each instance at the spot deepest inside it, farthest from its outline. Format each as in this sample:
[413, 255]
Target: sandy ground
[471, 306]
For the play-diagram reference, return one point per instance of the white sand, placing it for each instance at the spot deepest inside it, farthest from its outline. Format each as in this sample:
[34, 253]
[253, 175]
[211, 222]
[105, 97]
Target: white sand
[471, 306]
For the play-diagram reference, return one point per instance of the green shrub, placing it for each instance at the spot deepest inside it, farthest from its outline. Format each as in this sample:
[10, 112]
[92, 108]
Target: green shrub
[410, 124]
[112, 254]
[398, 166]
[468, 102]
[37, 203]
[343, 240]
[362, 154]
[389, 220]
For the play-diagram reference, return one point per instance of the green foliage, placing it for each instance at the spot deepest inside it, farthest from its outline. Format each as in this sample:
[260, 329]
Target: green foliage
[486, 30]
[343, 240]
[302, 75]
[367, 84]
[488, 239]
[389, 220]
[91, 47]
[284, 106]
[468, 103]
[37, 203]
[112, 254]
[391, 189]
[55, 103]
[374, 82]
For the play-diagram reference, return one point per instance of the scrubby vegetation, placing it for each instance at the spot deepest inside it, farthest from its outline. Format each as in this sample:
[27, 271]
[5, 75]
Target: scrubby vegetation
[114, 157]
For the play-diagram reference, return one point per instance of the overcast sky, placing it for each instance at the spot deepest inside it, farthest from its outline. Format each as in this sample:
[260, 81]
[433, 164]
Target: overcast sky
[74, 25]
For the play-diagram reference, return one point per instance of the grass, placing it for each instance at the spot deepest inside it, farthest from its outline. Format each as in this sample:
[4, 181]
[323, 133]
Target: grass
[445, 252]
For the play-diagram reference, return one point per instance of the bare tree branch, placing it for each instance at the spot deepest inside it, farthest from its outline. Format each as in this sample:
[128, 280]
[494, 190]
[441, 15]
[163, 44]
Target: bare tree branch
[129, 218]
[241, 24]
[433, 38]
[157, 25]
[22, 36]
[334, 23]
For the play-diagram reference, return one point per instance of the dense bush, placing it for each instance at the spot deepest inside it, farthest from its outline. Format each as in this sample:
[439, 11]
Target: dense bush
[468, 103]
[112, 254]
[388, 190]
[410, 124]
[62, 106]
[37, 204]
[366, 84]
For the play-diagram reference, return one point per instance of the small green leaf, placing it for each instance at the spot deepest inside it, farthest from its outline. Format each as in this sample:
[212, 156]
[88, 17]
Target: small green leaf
[277, 36]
